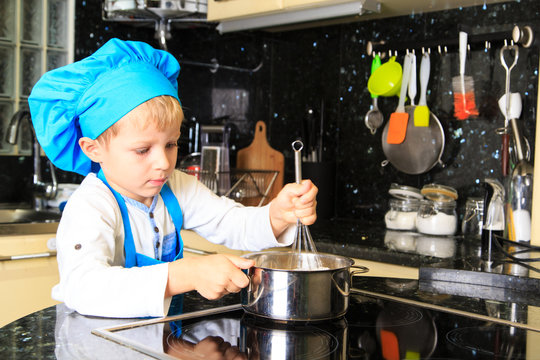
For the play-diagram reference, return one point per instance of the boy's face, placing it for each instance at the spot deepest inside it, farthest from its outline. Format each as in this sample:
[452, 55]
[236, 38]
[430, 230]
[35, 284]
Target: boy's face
[137, 162]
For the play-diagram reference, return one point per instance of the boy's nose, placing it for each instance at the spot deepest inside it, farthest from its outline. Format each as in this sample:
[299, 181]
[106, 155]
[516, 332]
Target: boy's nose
[163, 161]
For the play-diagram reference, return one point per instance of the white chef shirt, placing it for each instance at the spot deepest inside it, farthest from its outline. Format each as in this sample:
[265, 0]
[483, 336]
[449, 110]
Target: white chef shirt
[90, 244]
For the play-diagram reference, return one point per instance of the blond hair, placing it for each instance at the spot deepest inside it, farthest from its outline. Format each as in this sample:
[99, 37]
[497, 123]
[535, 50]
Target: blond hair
[161, 111]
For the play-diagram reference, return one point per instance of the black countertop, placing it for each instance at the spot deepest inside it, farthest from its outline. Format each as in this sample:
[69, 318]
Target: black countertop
[372, 241]
[58, 330]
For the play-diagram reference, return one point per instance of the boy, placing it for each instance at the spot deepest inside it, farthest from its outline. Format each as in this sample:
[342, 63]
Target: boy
[115, 118]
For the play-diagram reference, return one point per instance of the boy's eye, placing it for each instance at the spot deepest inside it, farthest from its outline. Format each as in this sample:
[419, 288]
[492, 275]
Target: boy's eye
[172, 144]
[141, 151]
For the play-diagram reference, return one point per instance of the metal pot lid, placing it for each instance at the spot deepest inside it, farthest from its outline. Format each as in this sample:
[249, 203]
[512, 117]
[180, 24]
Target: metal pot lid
[405, 192]
[442, 193]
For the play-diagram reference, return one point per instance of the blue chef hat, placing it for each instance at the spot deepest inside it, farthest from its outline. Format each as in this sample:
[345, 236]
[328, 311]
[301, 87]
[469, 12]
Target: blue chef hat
[87, 97]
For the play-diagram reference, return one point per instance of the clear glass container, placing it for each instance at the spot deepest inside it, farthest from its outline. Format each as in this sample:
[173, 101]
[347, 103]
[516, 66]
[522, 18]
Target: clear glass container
[437, 217]
[471, 226]
[402, 214]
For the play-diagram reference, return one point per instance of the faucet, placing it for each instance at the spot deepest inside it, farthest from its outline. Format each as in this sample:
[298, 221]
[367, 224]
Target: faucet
[40, 190]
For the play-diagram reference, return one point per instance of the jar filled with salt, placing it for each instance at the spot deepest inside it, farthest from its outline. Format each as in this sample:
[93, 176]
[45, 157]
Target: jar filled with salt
[437, 213]
[403, 207]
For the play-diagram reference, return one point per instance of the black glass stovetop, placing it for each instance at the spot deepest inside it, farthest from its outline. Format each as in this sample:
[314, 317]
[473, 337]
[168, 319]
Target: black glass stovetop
[376, 326]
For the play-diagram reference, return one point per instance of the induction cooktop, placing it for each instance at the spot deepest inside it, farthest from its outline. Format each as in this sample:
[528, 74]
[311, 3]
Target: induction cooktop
[386, 319]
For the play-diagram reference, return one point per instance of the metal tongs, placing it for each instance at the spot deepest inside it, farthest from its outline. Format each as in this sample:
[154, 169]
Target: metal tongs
[510, 105]
[303, 242]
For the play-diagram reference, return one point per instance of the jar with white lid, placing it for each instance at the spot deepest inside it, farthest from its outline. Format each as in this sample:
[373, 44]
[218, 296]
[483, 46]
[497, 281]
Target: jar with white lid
[403, 207]
[437, 217]
[402, 214]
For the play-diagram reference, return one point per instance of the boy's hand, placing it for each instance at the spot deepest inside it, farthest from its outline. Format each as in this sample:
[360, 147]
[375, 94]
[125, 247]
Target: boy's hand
[213, 276]
[294, 201]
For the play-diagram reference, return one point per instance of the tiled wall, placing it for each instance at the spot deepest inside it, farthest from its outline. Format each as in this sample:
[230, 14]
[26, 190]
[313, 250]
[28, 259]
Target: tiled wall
[329, 65]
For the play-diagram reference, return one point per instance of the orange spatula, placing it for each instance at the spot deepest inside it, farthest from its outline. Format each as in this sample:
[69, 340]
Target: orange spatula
[397, 125]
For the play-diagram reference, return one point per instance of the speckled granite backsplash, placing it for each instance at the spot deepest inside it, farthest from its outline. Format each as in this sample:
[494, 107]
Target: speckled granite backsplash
[329, 65]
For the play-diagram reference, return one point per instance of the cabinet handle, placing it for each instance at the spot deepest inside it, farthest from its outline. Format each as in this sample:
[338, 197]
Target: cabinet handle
[27, 256]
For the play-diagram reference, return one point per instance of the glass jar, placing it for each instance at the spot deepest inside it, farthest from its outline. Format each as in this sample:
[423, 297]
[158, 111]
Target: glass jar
[437, 217]
[402, 214]
[471, 226]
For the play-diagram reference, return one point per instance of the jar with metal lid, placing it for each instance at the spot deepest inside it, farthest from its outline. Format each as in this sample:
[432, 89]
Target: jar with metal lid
[403, 207]
[471, 226]
[437, 217]
[441, 193]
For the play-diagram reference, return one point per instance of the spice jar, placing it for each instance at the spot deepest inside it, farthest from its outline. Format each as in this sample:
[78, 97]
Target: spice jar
[403, 207]
[437, 217]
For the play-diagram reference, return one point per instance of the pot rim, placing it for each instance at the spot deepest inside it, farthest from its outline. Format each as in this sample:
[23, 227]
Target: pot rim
[284, 253]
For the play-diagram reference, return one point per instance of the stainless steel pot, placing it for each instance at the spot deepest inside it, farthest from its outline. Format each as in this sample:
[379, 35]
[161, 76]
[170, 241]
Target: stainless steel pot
[279, 290]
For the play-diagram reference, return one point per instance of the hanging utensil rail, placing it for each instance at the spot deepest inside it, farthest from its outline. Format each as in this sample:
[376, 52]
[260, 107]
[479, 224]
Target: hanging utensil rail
[517, 35]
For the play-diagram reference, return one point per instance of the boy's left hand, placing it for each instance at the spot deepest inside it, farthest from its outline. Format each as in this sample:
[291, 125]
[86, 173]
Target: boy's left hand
[294, 201]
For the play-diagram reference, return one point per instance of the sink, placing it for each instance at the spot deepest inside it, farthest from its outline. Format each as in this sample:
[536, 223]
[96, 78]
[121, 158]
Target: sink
[28, 221]
[17, 216]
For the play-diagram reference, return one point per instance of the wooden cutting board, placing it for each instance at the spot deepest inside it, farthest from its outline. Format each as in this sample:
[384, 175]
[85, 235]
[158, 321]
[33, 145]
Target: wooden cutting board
[259, 155]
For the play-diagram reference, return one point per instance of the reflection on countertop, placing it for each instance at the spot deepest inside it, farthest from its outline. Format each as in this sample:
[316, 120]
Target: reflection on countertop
[60, 333]
[372, 241]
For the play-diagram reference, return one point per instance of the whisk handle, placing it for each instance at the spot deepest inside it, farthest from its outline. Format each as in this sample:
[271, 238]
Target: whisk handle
[297, 146]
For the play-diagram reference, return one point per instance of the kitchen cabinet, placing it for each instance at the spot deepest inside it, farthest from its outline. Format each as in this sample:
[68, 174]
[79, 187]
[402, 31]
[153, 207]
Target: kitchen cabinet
[231, 9]
[26, 284]
[219, 10]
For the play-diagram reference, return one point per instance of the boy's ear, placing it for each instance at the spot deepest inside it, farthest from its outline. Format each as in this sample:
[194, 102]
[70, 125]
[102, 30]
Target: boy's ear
[91, 148]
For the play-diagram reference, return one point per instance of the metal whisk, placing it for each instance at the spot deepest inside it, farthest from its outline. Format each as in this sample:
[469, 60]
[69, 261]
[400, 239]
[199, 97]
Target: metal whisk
[303, 242]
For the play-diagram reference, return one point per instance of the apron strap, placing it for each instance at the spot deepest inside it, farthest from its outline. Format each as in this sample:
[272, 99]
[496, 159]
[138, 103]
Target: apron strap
[171, 203]
[129, 244]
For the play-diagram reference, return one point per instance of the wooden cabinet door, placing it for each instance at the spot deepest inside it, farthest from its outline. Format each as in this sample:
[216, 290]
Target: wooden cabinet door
[311, 3]
[26, 284]
[230, 9]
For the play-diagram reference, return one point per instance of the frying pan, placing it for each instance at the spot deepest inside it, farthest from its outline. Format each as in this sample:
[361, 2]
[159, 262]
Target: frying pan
[420, 151]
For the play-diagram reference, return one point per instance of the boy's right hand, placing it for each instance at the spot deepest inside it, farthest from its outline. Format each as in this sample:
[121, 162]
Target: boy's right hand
[213, 276]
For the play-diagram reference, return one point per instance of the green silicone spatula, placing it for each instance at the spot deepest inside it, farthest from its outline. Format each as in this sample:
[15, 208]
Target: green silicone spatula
[421, 112]
[397, 125]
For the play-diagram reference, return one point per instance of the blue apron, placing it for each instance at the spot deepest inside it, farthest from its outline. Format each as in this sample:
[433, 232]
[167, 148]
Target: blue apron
[133, 258]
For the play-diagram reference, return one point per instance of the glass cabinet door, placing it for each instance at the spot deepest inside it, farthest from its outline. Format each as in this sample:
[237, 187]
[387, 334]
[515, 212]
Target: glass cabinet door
[34, 38]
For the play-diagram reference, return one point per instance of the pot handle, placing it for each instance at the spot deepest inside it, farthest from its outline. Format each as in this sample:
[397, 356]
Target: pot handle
[249, 289]
[360, 270]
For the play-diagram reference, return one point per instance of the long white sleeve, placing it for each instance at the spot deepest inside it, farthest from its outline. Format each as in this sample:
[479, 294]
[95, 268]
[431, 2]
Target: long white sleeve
[90, 245]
